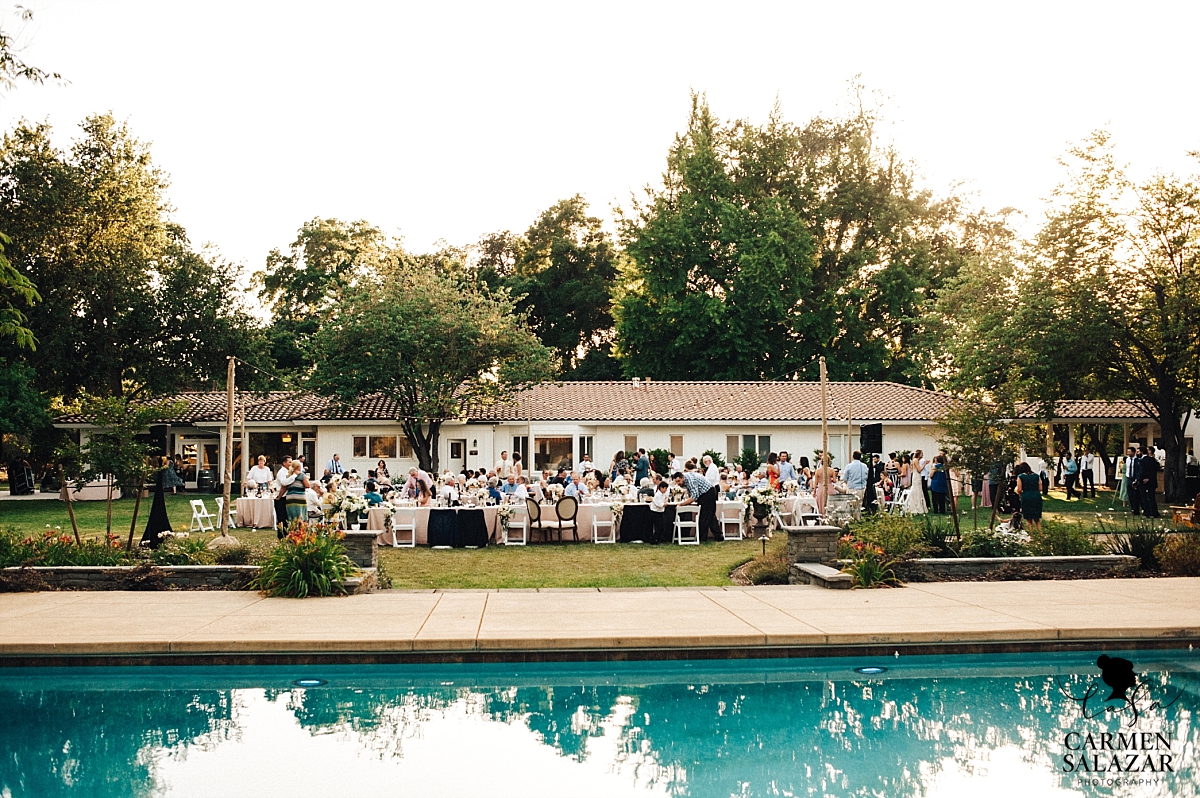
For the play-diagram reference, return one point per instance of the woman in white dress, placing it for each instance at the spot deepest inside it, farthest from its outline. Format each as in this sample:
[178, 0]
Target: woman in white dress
[916, 497]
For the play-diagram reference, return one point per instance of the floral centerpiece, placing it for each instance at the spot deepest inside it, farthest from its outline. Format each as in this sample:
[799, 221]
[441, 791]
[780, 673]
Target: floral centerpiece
[555, 491]
[678, 493]
[761, 501]
[791, 487]
[504, 513]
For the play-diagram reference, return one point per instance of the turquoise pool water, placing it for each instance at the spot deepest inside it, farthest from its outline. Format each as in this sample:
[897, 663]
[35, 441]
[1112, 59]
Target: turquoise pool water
[927, 726]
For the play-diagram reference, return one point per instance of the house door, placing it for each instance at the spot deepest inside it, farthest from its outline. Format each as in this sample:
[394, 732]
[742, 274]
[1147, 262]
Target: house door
[458, 456]
[200, 467]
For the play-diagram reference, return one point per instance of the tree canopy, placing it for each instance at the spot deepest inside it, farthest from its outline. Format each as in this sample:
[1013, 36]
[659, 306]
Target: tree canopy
[1103, 303]
[125, 301]
[432, 344]
[767, 246]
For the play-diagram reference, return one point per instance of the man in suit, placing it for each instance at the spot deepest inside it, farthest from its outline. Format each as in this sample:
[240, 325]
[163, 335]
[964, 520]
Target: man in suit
[1149, 484]
[1133, 464]
[642, 469]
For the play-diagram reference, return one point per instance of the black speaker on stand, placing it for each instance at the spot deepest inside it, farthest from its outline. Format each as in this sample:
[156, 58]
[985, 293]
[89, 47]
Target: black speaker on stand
[870, 440]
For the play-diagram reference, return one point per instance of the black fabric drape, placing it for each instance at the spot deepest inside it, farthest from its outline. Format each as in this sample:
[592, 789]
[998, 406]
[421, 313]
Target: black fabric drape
[158, 522]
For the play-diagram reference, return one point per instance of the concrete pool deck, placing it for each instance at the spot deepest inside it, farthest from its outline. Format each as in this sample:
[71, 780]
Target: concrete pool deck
[181, 626]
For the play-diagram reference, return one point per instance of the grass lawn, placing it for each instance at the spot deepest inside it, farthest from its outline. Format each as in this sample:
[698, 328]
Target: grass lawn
[1057, 508]
[556, 565]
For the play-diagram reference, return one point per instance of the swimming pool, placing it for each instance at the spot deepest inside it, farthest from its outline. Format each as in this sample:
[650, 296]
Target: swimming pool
[1029, 725]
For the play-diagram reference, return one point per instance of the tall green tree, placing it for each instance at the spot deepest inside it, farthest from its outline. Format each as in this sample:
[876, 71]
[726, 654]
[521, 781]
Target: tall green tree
[91, 228]
[428, 342]
[301, 284]
[1103, 303]
[561, 271]
[768, 245]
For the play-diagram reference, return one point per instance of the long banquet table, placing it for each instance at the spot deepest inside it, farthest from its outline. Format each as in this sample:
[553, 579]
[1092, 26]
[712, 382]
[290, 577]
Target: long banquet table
[636, 523]
[256, 512]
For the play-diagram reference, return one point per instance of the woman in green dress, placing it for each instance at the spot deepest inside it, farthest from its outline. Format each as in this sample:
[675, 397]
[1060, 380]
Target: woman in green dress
[1029, 489]
[294, 497]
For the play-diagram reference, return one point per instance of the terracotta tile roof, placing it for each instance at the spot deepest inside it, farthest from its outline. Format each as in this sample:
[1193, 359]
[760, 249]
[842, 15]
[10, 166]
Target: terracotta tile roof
[1091, 409]
[656, 401]
[718, 401]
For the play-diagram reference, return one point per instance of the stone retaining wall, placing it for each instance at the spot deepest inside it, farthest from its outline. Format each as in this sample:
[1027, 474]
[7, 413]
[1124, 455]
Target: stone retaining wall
[133, 577]
[971, 566]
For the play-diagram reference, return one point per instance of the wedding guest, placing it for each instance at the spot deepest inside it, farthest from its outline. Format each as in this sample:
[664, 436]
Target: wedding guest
[1087, 473]
[516, 465]
[382, 473]
[372, 497]
[939, 484]
[701, 491]
[294, 487]
[493, 493]
[787, 471]
[1148, 486]
[1028, 484]
[1071, 474]
[259, 475]
[285, 471]
[658, 515]
[711, 472]
[643, 467]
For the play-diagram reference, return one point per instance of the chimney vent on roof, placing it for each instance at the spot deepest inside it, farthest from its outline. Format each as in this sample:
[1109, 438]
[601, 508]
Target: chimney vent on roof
[636, 383]
[647, 383]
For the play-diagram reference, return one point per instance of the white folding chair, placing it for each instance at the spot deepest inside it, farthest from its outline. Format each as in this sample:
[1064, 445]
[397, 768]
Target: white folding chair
[898, 504]
[731, 514]
[687, 533]
[404, 519]
[202, 520]
[518, 520]
[602, 518]
[232, 511]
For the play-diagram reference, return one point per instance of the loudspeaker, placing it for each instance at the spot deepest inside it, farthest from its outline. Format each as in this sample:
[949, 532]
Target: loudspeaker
[870, 439]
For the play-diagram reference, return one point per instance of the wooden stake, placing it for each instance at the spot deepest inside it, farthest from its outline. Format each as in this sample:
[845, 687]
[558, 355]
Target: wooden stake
[66, 497]
[227, 482]
[824, 415]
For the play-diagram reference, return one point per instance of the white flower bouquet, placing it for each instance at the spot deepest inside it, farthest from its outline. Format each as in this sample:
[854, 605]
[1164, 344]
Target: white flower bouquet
[761, 501]
[555, 490]
[678, 493]
[791, 487]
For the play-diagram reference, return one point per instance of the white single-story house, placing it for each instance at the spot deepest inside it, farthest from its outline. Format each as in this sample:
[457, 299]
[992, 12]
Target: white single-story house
[556, 424]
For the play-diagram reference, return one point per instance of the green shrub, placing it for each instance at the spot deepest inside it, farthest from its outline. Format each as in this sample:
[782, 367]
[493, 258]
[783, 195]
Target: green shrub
[998, 542]
[1179, 554]
[1141, 541]
[232, 555]
[1060, 538]
[771, 569]
[310, 560]
[181, 549]
[749, 460]
[55, 548]
[899, 536]
[662, 462]
[938, 535]
[869, 567]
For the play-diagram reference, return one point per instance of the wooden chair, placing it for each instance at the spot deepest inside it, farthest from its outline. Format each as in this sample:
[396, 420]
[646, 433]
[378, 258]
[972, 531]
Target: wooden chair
[533, 511]
[687, 533]
[518, 520]
[731, 515]
[602, 518]
[404, 519]
[202, 520]
[566, 510]
[232, 511]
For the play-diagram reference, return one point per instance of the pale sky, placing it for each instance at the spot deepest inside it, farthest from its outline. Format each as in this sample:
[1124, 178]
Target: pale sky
[451, 120]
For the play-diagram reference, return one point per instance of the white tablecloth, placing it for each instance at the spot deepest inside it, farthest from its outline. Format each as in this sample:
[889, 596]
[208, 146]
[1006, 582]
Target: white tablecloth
[255, 512]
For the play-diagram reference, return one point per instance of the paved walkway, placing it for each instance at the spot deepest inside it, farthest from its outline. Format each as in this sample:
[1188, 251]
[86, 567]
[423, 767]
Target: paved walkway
[222, 623]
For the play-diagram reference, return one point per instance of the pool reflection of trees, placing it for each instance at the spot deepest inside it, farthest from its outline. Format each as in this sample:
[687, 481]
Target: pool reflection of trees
[764, 738]
[868, 737]
[98, 743]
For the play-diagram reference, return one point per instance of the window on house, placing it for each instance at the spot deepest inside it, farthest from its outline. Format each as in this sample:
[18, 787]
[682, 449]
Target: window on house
[677, 444]
[521, 444]
[759, 443]
[360, 445]
[732, 450]
[630, 443]
[553, 454]
[383, 447]
[585, 447]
